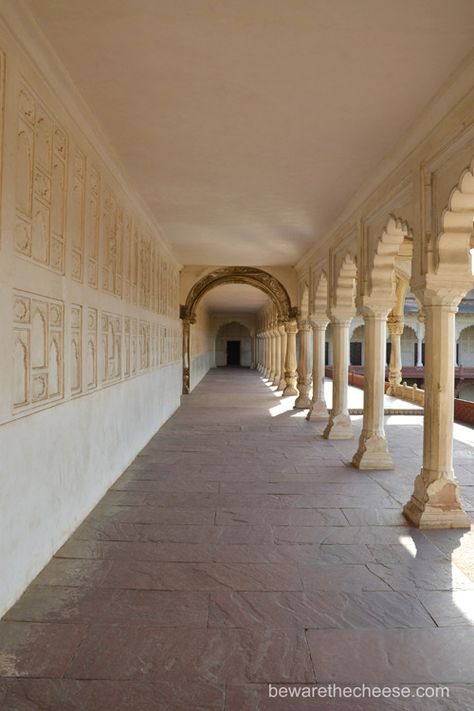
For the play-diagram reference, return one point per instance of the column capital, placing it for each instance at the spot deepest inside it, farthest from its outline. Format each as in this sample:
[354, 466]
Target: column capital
[291, 327]
[304, 325]
[395, 324]
[318, 321]
[432, 291]
[339, 314]
[375, 308]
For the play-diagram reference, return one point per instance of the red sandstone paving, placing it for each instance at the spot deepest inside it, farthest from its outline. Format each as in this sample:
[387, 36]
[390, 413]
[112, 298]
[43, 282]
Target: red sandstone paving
[240, 549]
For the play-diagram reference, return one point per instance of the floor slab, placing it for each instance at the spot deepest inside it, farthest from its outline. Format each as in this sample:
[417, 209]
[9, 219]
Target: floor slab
[241, 549]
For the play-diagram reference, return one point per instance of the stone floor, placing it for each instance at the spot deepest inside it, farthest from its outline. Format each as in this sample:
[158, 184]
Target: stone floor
[239, 549]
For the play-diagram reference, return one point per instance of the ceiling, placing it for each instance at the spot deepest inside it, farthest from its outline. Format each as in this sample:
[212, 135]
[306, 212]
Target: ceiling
[234, 298]
[247, 124]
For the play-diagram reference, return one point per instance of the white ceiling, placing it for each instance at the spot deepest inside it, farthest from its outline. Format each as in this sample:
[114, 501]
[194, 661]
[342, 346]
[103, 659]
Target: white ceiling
[247, 124]
[234, 298]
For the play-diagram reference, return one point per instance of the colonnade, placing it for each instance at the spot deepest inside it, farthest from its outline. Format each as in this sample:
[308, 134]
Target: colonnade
[435, 501]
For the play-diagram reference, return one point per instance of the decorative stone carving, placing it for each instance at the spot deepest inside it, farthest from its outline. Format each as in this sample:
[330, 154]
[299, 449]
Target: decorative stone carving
[91, 348]
[76, 349]
[40, 187]
[111, 347]
[112, 243]
[93, 226]
[38, 336]
[77, 218]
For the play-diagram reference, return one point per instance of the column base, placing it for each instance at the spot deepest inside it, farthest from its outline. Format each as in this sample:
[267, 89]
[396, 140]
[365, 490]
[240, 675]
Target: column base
[276, 380]
[282, 384]
[436, 504]
[290, 390]
[318, 412]
[339, 427]
[302, 402]
[372, 453]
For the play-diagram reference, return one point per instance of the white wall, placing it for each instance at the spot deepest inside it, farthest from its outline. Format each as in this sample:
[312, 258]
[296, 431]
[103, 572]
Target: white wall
[90, 354]
[57, 464]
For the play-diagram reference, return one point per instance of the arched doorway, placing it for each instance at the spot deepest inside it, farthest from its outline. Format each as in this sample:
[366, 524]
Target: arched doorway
[233, 346]
[251, 276]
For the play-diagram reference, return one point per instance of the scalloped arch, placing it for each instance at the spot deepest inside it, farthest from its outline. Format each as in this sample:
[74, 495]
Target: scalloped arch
[345, 283]
[456, 238]
[388, 247]
[320, 301]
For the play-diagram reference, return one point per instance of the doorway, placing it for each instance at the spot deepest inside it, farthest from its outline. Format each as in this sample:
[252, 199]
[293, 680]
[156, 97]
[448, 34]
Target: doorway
[233, 353]
[356, 353]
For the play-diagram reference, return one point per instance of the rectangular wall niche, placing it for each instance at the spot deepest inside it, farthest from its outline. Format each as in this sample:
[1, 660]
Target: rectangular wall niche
[38, 349]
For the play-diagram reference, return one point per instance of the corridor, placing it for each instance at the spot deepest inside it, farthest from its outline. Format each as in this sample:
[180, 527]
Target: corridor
[240, 549]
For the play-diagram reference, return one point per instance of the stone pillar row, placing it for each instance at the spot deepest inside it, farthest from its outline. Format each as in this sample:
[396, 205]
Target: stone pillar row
[435, 501]
[277, 356]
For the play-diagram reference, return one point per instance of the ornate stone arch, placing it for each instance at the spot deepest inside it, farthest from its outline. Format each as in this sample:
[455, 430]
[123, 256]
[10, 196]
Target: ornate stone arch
[320, 300]
[304, 302]
[344, 294]
[251, 276]
[240, 275]
[455, 240]
[382, 269]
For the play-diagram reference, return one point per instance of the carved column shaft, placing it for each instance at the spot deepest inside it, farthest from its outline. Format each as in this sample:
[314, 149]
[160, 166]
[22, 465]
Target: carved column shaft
[272, 356]
[373, 448]
[340, 425]
[318, 409]
[283, 338]
[290, 359]
[395, 328]
[435, 500]
[276, 335]
[186, 356]
[304, 366]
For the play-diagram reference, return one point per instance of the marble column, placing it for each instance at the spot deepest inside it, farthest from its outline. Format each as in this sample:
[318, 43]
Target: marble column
[395, 328]
[266, 370]
[340, 425]
[283, 338]
[186, 356]
[304, 367]
[419, 352]
[271, 341]
[373, 447]
[253, 355]
[276, 335]
[435, 500]
[291, 329]
[318, 408]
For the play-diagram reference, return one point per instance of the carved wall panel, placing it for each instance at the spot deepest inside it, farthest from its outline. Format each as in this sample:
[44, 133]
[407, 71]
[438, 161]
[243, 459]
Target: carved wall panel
[40, 191]
[134, 346]
[126, 348]
[144, 341]
[38, 334]
[145, 271]
[111, 369]
[76, 349]
[77, 218]
[93, 226]
[127, 257]
[91, 355]
[112, 244]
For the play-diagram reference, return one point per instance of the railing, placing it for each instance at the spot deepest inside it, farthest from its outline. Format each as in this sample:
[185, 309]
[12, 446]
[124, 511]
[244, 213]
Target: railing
[463, 409]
